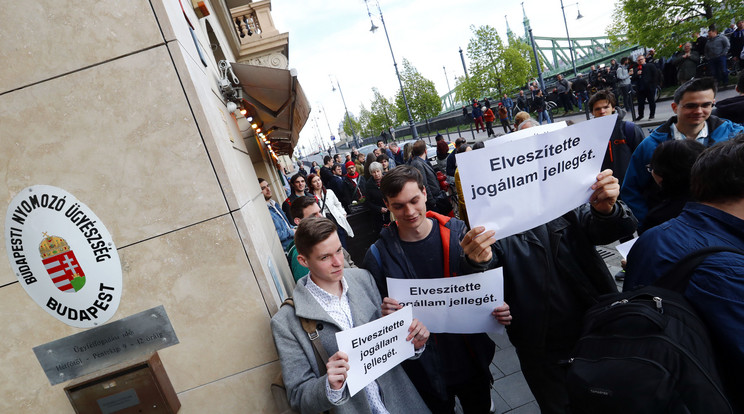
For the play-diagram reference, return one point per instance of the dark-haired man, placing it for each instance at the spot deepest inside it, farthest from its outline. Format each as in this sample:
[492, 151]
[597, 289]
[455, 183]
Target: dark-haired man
[297, 182]
[646, 78]
[284, 228]
[693, 103]
[626, 136]
[716, 288]
[337, 299]
[451, 161]
[424, 245]
[436, 199]
[325, 171]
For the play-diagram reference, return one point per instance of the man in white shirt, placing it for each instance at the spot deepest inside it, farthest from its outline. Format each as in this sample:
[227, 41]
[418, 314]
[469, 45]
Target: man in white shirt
[337, 299]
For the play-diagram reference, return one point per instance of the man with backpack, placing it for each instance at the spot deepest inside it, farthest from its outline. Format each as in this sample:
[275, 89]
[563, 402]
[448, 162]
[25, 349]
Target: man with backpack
[626, 136]
[421, 244]
[552, 275]
[716, 288]
[333, 299]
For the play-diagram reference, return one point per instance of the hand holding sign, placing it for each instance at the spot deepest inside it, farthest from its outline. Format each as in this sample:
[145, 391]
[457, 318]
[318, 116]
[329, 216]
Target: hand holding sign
[477, 244]
[503, 314]
[337, 367]
[418, 334]
[606, 190]
[390, 305]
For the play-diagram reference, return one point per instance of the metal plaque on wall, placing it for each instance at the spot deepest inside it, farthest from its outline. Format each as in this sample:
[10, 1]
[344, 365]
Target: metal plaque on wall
[107, 345]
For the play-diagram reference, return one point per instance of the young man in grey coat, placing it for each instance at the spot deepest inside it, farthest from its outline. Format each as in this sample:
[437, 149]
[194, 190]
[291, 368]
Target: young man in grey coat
[338, 299]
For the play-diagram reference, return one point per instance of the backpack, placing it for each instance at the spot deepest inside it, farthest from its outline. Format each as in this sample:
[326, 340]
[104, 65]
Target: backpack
[278, 389]
[647, 351]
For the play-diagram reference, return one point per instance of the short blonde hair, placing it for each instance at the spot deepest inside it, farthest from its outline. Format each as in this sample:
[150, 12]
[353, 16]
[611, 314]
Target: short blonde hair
[520, 117]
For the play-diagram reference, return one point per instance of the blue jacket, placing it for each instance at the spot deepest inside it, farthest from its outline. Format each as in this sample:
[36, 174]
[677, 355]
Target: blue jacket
[477, 112]
[716, 289]
[427, 372]
[638, 186]
[282, 226]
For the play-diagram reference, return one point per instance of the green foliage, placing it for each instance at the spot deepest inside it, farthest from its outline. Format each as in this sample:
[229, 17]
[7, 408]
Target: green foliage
[519, 65]
[382, 113]
[364, 120]
[348, 123]
[421, 94]
[468, 88]
[665, 25]
[495, 68]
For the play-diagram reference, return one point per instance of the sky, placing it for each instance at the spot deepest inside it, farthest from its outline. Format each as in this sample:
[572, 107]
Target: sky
[332, 37]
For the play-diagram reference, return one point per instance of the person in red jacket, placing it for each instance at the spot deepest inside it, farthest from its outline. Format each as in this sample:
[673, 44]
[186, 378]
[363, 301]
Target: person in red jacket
[489, 117]
[504, 118]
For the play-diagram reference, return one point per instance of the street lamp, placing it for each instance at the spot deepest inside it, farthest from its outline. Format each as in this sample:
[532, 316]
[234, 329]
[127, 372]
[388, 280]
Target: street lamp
[570, 45]
[449, 89]
[348, 118]
[464, 69]
[414, 134]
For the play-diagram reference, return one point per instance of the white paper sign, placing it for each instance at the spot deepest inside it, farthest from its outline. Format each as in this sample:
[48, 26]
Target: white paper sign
[528, 132]
[624, 248]
[518, 185]
[461, 304]
[375, 348]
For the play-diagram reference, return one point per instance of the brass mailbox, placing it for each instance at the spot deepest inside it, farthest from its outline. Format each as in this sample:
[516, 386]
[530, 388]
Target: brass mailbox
[140, 386]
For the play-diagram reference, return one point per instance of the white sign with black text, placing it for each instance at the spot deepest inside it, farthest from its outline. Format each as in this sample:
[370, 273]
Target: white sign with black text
[518, 185]
[375, 348]
[461, 304]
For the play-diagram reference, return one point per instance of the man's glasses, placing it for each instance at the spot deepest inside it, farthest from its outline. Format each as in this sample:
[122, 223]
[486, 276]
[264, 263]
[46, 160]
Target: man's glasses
[691, 105]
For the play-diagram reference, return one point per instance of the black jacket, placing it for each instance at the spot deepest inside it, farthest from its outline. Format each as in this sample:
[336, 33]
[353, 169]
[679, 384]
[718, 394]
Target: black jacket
[649, 79]
[731, 109]
[350, 191]
[430, 181]
[553, 274]
[626, 136]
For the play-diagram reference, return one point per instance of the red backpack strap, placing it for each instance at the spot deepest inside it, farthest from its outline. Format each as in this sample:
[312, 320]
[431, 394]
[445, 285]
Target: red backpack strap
[444, 232]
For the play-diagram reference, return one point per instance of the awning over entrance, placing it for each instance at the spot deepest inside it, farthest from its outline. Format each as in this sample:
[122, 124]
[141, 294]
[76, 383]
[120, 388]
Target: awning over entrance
[279, 101]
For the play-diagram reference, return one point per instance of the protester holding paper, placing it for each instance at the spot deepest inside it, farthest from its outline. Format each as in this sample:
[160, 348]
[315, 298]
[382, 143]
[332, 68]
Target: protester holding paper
[337, 299]
[552, 275]
[421, 244]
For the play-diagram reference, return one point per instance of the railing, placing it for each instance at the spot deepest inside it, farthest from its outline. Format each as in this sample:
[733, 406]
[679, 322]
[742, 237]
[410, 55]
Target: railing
[246, 25]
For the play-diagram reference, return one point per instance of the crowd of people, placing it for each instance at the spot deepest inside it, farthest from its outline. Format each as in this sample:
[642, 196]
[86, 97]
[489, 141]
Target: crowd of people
[680, 189]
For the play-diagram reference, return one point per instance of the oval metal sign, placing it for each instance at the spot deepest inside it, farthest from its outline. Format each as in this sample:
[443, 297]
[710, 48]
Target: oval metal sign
[63, 256]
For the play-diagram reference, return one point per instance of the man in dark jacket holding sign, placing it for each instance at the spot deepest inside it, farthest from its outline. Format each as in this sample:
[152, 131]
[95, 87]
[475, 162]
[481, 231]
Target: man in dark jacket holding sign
[423, 244]
[552, 275]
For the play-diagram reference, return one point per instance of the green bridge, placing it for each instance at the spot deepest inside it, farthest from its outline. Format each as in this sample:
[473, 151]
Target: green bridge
[555, 56]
